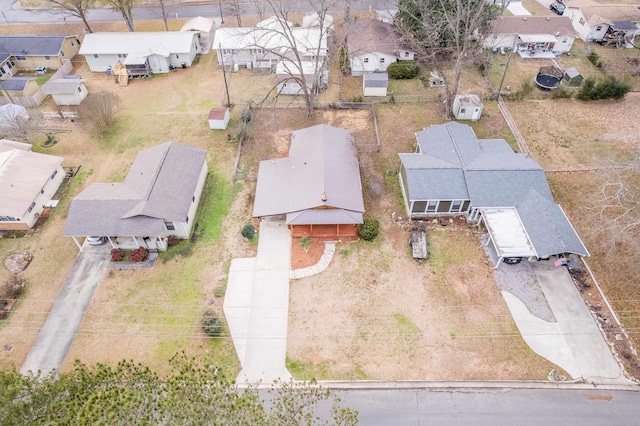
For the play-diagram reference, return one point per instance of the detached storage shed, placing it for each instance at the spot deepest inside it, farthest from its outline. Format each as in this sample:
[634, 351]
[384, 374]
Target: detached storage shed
[467, 107]
[375, 83]
[219, 118]
[67, 91]
[572, 77]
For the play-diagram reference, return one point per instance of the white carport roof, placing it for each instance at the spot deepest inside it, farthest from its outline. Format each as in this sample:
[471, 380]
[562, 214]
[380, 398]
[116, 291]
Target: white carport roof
[507, 232]
[537, 38]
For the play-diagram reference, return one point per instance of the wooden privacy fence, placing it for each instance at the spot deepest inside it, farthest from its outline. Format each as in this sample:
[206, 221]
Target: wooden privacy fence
[37, 98]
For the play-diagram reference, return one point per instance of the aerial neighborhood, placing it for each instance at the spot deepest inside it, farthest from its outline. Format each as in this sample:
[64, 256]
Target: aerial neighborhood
[439, 193]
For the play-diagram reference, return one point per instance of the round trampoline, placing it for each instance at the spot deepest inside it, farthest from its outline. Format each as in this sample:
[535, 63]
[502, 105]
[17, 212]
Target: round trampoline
[547, 81]
[549, 77]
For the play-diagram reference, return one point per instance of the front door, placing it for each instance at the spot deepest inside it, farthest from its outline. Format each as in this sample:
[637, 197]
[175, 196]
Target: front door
[476, 114]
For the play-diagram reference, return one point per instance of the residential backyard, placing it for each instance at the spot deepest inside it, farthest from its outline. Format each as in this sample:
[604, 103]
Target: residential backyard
[375, 313]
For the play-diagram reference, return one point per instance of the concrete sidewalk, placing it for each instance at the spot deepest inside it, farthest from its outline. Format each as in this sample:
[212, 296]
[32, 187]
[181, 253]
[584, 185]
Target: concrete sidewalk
[588, 347]
[256, 305]
[57, 333]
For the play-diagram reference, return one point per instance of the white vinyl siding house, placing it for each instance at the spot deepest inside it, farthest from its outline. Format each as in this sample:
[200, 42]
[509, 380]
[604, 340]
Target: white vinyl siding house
[162, 50]
[370, 62]
[28, 181]
[594, 22]
[158, 199]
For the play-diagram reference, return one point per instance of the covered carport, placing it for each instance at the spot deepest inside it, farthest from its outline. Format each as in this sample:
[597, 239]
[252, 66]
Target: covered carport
[507, 233]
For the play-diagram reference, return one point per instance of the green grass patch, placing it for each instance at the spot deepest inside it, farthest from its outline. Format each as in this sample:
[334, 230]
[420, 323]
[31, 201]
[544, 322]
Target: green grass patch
[215, 202]
[445, 250]
[41, 80]
[307, 370]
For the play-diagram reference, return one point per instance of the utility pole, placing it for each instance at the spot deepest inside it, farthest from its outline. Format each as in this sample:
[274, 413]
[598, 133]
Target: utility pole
[507, 66]
[224, 74]
[221, 15]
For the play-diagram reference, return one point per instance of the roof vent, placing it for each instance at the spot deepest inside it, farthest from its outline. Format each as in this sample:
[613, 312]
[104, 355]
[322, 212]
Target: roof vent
[524, 19]
[548, 19]
[324, 197]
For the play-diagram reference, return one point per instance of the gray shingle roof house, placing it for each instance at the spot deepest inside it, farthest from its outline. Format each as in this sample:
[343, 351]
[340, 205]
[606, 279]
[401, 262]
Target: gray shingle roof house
[32, 51]
[317, 186]
[453, 172]
[158, 198]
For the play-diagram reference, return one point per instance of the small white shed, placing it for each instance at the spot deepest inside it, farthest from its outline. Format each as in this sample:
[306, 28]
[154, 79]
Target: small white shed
[467, 107]
[67, 91]
[218, 118]
[375, 83]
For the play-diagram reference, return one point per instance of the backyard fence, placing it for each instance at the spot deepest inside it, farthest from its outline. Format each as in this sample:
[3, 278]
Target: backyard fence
[37, 98]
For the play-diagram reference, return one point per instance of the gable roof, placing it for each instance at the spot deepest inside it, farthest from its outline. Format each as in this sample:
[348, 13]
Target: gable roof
[31, 45]
[322, 160]
[303, 39]
[137, 42]
[554, 25]
[199, 23]
[159, 187]
[23, 174]
[454, 165]
[63, 86]
[8, 145]
[608, 13]
[370, 35]
[376, 79]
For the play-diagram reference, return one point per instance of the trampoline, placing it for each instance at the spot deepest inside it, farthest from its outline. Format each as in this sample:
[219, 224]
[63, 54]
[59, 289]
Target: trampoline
[547, 81]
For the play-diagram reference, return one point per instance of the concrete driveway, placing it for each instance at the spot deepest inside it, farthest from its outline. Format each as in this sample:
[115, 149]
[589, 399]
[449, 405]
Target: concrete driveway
[57, 333]
[256, 305]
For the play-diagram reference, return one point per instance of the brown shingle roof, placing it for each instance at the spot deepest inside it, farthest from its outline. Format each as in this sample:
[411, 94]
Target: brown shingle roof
[370, 35]
[560, 25]
[609, 13]
[322, 159]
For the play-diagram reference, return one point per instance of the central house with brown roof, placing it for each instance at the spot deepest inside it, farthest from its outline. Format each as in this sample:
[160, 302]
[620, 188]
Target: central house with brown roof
[317, 187]
[158, 199]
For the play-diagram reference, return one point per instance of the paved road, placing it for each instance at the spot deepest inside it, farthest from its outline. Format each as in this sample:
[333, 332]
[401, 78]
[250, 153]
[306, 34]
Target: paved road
[12, 14]
[493, 407]
[57, 333]
[256, 305]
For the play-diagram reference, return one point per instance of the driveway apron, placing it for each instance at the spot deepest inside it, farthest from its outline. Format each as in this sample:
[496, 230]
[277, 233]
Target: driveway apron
[57, 333]
[591, 352]
[257, 305]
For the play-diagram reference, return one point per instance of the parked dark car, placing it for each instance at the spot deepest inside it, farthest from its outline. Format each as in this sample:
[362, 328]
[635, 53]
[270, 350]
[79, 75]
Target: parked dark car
[512, 260]
[557, 8]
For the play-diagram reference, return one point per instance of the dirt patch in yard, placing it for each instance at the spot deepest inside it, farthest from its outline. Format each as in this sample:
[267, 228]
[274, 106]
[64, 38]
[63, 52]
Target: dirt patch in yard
[303, 259]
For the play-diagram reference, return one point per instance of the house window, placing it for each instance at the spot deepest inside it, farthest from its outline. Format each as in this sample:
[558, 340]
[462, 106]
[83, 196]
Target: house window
[229, 51]
[581, 21]
[2, 71]
[170, 226]
[565, 40]
[21, 58]
[62, 53]
[48, 58]
[463, 110]
[382, 60]
[256, 51]
[193, 199]
[8, 219]
[54, 174]
[418, 206]
[79, 89]
[72, 43]
[120, 55]
[187, 219]
[406, 54]
[31, 207]
[42, 191]
[96, 56]
[431, 206]
[365, 60]
[11, 64]
[177, 56]
[456, 206]
[599, 28]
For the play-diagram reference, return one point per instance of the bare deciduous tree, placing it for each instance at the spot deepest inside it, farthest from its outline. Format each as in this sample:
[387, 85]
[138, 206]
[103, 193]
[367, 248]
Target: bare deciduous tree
[444, 32]
[237, 12]
[99, 111]
[260, 7]
[616, 209]
[77, 8]
[166, 7]
[125, 8]
[302, 52]
[20, 127]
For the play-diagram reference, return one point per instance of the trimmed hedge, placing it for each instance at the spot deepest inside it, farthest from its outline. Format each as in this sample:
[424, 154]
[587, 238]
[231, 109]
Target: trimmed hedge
[608, 88]
[404, 70]
[369, 229]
